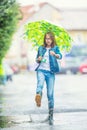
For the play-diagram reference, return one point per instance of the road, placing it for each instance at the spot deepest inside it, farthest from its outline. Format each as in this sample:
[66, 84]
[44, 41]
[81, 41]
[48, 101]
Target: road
[18, 109]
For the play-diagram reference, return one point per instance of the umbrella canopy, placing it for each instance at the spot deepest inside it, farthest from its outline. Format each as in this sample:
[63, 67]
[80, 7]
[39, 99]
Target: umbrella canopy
[34, 32]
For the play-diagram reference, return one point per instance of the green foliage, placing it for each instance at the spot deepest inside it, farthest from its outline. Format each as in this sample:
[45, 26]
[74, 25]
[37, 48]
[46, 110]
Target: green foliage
[9, 13]
[35, 31]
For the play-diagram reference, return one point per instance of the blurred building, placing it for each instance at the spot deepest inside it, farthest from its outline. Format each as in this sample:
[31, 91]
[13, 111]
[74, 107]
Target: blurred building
[72, 19]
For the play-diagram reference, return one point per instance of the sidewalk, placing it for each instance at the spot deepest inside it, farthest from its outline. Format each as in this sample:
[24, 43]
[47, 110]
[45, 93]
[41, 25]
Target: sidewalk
[17, 105]
[62, 121]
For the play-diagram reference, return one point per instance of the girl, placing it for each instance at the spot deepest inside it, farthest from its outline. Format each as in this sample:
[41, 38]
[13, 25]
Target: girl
[47, 57]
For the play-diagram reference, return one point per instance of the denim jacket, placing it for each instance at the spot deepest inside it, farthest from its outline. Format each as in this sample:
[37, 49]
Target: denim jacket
[54, 67]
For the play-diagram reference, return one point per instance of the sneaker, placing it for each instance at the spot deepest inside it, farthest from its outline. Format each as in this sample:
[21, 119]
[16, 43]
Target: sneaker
[38, 100]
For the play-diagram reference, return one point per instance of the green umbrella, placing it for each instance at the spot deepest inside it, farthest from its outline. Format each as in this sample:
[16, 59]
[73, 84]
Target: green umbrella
[34, 32]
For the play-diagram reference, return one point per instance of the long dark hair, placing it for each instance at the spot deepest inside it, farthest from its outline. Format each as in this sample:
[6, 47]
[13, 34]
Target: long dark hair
[52, 38]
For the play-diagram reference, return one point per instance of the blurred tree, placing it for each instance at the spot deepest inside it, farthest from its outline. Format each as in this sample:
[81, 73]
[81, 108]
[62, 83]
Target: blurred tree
[9, 16]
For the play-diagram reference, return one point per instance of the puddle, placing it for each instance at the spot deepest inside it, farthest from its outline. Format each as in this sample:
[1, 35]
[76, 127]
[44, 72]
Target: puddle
[9, 121]
[5, 121]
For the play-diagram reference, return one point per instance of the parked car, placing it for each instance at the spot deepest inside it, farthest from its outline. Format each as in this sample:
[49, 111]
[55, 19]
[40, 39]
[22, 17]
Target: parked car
[71, 65]
[72, 60]
[83, 67]
[78, 50]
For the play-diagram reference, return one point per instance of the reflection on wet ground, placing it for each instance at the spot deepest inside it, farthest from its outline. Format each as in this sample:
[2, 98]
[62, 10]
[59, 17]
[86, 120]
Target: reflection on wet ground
[5, 122]
[62, 121]
[22, 120]
[10, 121]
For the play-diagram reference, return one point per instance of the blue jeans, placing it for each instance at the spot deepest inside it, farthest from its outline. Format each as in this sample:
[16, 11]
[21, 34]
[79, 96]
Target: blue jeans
[49, 78]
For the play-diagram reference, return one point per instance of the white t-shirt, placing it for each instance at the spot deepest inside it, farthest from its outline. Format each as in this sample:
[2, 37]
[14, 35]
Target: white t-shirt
[45, 61]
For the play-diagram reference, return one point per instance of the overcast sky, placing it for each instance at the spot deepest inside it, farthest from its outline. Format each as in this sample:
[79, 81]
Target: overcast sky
[58, 3]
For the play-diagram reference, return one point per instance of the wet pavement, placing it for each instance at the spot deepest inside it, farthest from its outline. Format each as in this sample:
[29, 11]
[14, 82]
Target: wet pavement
[18, 109]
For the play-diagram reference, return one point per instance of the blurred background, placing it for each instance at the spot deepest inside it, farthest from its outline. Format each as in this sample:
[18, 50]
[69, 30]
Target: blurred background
[69, 14]
[17, 75]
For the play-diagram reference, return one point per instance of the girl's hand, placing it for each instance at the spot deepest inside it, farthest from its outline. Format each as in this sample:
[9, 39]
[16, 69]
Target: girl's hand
[39, 58]
[52, 53]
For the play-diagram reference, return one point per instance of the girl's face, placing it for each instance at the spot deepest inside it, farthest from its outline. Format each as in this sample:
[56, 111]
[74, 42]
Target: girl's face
[48, 40]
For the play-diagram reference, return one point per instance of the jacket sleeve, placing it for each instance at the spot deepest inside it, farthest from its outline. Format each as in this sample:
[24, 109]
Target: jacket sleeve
[39, 54]
[58, 52]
